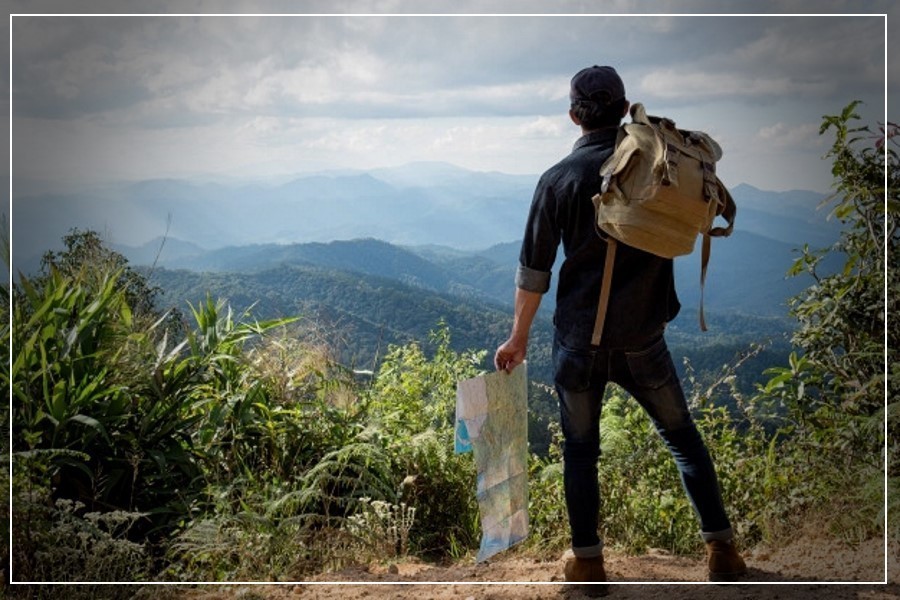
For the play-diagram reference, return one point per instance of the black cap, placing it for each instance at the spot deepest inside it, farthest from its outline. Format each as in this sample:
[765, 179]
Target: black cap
[597, 84]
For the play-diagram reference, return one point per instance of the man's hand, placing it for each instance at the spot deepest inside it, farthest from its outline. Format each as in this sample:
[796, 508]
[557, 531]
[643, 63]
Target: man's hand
[510, 354]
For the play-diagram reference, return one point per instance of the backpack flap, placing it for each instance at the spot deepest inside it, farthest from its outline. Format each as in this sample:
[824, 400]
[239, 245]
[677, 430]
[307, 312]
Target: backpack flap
[627, 175]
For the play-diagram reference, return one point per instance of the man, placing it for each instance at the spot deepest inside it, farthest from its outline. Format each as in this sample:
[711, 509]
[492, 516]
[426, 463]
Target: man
[632, 351]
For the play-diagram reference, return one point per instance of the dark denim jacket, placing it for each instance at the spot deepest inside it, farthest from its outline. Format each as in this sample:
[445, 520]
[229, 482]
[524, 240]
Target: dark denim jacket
[642, 299]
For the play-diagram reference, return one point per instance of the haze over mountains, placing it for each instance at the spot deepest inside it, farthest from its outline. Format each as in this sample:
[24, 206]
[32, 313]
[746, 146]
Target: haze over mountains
[417, 204]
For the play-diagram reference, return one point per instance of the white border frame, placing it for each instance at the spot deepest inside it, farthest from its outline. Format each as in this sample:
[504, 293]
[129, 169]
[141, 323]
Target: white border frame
[439, 15]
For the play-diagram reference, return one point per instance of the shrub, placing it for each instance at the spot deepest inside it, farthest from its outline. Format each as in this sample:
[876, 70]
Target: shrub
[412, 403]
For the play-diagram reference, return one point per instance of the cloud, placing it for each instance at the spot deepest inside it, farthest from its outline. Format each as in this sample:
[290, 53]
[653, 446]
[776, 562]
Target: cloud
[824, 44]
[672, 84]
[174, 94]
[782, 135]
[223, 64]
[360, 67]
[543, 127]
[764, 58]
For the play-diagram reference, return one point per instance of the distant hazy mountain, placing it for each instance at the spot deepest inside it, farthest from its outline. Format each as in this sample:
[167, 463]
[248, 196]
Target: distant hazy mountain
[793, 217]
[746, 273]
[417, 204]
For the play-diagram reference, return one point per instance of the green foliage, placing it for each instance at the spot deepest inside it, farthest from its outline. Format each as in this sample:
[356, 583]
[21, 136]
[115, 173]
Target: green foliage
[842, 316]
[362, 471]
[888, 141]
[104, 398]
[833, 387]
[253, 538]
[89, 546]
[363, 314]
[59, 541]
[547, 516]
[645, 511]
[441, 486]
[412, 402]
[285, 452]
[86, 377]
[412, 393]
[5, 407]
[70, 338]
[86, 257]
[240, 454]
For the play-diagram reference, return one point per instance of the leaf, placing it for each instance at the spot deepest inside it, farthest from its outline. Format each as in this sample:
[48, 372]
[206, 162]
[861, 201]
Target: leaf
[844, 211]
[92, 423]
[849, 111]
[125, 313]
[57, 404]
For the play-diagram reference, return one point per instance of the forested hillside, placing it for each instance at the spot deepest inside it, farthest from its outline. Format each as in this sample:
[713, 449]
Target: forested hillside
[361, 313]
[746, 273]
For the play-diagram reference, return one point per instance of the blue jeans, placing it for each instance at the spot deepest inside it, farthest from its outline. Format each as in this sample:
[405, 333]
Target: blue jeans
[648, 374]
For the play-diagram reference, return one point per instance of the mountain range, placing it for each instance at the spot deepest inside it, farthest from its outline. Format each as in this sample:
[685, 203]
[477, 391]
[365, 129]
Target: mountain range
[747, 272]
[421, 204]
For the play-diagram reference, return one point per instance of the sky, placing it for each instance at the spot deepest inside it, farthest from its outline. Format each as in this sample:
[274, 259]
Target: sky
[102, 98]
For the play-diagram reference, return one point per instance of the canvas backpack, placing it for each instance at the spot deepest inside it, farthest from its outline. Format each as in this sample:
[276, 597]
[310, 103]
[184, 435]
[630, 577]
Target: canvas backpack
[659, 192]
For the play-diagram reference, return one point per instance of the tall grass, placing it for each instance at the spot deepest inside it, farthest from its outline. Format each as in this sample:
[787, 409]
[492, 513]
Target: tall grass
[237, 450]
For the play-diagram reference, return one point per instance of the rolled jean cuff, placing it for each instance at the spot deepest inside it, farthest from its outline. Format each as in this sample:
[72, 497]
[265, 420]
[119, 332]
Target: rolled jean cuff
[724, 535]
[588, 551]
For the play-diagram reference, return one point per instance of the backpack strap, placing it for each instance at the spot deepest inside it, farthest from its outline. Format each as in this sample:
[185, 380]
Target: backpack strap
[704, 262]
[727, 211]
[605, 286]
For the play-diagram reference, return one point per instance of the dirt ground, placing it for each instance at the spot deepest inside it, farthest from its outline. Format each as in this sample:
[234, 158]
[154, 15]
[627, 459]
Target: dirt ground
[801, 570]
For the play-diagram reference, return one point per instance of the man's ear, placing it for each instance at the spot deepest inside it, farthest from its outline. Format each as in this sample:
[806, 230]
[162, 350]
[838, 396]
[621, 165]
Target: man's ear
[574, 117]
[627, 106]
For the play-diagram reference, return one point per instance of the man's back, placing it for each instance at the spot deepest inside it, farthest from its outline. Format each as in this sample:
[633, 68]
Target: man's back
[643, 294]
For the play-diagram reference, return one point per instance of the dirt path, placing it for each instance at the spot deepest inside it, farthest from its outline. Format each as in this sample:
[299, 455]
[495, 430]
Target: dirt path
[800, 571]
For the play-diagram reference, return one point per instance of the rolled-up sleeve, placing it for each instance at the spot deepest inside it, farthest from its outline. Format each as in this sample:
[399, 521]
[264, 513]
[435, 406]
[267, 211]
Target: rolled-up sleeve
[531, 280]
[541, 240]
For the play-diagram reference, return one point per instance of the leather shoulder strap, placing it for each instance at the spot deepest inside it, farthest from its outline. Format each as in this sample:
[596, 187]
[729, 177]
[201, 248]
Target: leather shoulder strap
[605, 286]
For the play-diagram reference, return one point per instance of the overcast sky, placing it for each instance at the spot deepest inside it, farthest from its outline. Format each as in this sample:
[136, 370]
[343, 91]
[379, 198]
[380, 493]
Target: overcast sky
[98, 98]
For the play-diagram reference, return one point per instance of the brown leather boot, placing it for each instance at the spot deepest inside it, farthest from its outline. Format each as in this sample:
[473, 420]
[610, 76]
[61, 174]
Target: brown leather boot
[725, 564]
[588, 571]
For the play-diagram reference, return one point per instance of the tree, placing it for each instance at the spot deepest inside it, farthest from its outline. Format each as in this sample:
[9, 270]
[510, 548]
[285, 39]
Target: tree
[834, 386]
[86, 256]
[842, 317]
